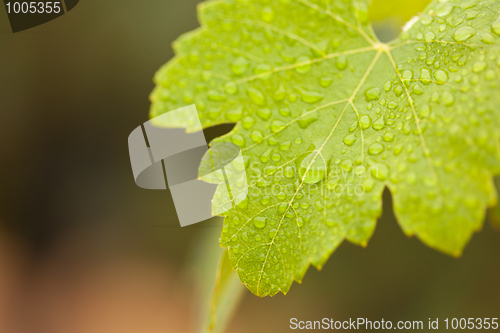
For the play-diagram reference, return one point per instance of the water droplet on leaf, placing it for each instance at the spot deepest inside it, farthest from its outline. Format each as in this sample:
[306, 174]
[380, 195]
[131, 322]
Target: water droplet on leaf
[267, 14]
[372, 94]
[312, 168]
[375, 148]
[365, 121]
[495, 27]
[350, 139]
[260, 222]
[463, 34]
[443, 9]
[310, 96]
[239, 66]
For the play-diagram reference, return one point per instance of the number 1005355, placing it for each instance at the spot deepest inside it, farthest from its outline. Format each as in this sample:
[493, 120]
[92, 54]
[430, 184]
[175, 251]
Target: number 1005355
[34, 7]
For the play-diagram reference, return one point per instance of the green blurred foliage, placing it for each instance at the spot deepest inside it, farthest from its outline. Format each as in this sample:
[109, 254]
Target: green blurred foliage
[218, 289]
[401, 11]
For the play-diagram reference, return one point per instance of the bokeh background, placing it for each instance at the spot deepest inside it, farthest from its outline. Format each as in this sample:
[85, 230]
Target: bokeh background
[84, 250]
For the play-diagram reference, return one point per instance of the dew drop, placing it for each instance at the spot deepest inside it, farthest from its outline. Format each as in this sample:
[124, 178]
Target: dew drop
[289, 172]
[392, 105]
[325, 81]
[331, 222]
[398, 90]
[231, 89]
[216, 96]
[487, 38]
[276, 157]
[346, 165]
[365, 121]
[350, 139]
[425, 75]
[369, 184]
[443, 9]
[214, 113]
[263, 183]
[260, 222]
[387, 85]
[264, 114]
[388, 137]
[238, 139]
[280, 94]
[285, 112]
[282, 207]
[313, 168]
[411, 178]
[248, 122]
[256, 96]
[264, 158]
[277, 126]
[429, 37]
[372, 94]
[441, 76]
[472, 14]
[376, 148]
[417, 89]
[273, 141]
[353, 126]
[256, 136]
[284, 146]
[448, 98]
[490, 75]
[407, 75]
[310, 96]
[379, 124]
[495, 27]
[425, 110]
[463, 34]
[188, 97]
[380, 171]
[307, 120]
[305, 60]
[239, 66]
[479, 66]
[263, 68]
[341, 63]
[267, 14]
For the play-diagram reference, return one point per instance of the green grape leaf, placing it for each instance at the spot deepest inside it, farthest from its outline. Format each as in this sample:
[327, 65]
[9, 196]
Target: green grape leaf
[327, 117]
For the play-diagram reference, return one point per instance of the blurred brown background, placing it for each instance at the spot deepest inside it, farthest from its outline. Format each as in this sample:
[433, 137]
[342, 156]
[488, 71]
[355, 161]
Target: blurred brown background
[83, 250]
